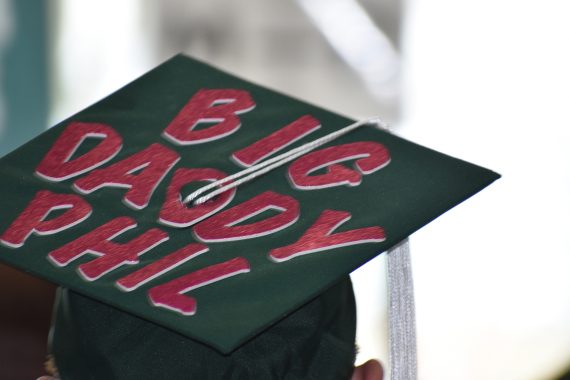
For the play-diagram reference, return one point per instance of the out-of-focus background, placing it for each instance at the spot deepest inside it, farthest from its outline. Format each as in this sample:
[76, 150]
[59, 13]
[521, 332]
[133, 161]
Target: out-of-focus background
[487, 81]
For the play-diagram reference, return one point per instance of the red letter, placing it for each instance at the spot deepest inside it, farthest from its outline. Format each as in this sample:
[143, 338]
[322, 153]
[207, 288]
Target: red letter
[222, 227]
[153, 163]
[176, 214]
[320, 237]
[369, 156]
[159, 267]
[33, 218]
[112, 255]
[276, 141]
[57, 164]
[209, 106]
[171, 295]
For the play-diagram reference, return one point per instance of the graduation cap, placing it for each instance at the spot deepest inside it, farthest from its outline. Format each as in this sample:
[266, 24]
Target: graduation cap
[156, 286]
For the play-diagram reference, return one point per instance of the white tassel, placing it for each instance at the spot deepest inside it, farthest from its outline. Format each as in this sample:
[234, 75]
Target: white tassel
[403, 359]
[275, 162]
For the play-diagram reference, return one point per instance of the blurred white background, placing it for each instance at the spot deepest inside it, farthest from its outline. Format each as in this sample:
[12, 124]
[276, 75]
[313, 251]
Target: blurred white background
[486, 81]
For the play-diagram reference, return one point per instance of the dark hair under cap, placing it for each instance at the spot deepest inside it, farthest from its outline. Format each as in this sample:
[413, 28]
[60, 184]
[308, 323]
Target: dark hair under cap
[91, 340]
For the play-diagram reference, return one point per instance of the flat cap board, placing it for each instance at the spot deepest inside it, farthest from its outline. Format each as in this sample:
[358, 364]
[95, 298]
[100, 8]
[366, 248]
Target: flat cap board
[94, 204]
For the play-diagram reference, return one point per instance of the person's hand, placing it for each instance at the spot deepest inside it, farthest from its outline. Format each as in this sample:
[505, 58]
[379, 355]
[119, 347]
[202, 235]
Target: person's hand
[371, 370]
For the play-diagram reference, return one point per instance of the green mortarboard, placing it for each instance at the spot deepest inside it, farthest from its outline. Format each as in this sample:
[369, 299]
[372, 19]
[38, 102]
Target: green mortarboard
[95, 204]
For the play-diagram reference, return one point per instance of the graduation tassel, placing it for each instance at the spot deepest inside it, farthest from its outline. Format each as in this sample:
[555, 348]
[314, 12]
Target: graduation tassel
[273, 163]
[401, 313]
